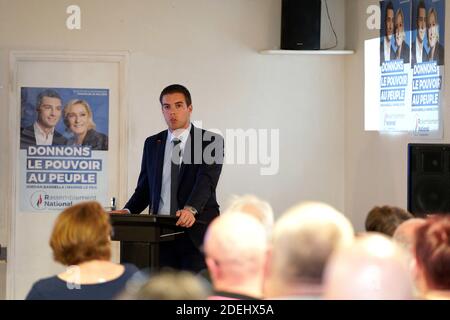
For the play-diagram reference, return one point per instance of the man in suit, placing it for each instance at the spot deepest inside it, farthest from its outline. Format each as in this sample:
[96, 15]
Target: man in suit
[42, 132]
[386, 50]
[418, 52]
[179, 174]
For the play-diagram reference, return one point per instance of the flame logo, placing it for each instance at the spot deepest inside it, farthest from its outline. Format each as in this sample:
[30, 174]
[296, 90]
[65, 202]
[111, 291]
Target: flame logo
[39, 202]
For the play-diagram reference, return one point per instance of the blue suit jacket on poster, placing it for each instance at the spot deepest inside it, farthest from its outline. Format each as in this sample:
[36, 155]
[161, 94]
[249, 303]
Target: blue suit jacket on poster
[197, 178]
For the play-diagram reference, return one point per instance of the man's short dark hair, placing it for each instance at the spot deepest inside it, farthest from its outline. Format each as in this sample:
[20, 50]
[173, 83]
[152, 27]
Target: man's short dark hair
[421, 5]
[386, 219]
[49, 93]
[176, 88]
[389, 6]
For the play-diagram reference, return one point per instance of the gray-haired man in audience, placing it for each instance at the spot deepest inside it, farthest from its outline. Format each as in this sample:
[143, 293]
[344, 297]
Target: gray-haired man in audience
[254, 206]
[303, 240]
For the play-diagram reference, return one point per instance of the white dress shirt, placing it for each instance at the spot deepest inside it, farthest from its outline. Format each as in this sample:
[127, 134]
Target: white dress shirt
[387, 49]
[419, 51]
[43, 138]
[164, 202]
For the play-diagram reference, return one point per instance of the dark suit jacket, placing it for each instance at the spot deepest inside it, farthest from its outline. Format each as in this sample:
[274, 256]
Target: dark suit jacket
[438, 55]
[94, 139]
[197, 179]
[28, 138]
[413, 54]
[404, 54]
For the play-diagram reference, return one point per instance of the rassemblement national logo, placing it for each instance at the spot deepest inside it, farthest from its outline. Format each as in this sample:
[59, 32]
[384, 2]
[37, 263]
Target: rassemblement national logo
[37, 200]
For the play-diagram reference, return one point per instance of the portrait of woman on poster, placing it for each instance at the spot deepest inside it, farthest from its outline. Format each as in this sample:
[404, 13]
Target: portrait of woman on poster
[79, 121]
[436, 49]
[403, 51]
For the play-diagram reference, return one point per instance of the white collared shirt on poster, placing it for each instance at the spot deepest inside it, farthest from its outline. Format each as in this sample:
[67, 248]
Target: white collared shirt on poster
[387, 49]
[419, 51]
[43, 138]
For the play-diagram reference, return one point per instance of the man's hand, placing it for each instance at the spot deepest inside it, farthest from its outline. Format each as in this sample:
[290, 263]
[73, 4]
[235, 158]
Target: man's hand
[123, 211]
[186, 218]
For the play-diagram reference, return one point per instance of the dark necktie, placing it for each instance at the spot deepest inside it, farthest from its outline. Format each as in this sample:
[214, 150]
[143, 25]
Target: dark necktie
[174, 171]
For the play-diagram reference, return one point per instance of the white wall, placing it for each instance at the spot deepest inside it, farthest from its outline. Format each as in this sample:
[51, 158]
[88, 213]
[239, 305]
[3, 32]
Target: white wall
[212, 47]
[375, 164]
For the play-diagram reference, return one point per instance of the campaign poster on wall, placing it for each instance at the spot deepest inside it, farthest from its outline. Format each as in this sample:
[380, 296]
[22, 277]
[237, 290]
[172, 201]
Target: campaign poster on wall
[63, 147]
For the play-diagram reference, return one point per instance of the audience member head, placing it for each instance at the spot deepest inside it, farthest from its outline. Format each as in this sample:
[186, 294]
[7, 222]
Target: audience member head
[303, 240]
[432, 249]
[386, 219]
[81, 233]
[235, 250]
[405, 234]
[252, 205]
[172, 285]
[373, 268]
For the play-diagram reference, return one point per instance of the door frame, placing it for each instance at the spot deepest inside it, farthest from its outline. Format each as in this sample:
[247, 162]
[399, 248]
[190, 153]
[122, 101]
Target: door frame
[15, 58]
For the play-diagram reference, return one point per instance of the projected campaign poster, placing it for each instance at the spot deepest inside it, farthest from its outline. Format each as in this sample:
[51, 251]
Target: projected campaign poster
[427, 66]
[63, 147]
[395, 83]
[411, 66]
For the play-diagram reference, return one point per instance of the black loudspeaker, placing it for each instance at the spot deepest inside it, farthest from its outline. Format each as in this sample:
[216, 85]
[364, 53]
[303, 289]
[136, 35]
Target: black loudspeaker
[300, 24]
[428, 179]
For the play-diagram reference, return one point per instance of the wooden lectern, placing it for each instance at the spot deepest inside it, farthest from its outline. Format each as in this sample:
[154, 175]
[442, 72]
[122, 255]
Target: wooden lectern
[140, 236]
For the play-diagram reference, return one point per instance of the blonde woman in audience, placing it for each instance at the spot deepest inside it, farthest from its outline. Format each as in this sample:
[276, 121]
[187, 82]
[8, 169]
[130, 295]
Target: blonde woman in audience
[303, 240]
[81, 241]
[432, 253]
[373, 268]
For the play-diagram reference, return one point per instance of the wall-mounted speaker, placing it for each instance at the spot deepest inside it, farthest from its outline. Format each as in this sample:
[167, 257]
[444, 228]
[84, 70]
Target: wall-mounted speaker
[428, 178]
[300, 24]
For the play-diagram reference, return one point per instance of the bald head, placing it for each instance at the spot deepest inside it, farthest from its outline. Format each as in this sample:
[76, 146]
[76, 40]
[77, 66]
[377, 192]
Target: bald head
[374, 267]
[237, 244]
[304, 238]
[405, 234]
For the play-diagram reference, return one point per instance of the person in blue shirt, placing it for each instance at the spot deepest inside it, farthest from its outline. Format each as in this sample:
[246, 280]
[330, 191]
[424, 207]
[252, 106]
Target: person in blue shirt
[81, 241]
